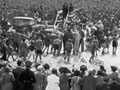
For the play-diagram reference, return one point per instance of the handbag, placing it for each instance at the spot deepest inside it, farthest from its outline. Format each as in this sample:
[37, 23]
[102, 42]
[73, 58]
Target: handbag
[72, 88]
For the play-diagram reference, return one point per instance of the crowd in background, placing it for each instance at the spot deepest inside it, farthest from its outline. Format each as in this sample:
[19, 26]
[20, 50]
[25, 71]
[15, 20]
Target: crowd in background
[89, 34]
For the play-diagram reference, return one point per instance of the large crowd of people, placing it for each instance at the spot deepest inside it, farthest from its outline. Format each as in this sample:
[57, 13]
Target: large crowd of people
[85, 34]
[46, 78]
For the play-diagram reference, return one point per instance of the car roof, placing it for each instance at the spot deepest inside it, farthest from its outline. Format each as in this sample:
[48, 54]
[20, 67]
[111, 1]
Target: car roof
[28, 18]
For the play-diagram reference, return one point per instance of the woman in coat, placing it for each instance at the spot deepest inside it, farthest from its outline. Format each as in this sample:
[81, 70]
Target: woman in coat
[53, 81]
[7, 79]
[76, 81]
[64, 84]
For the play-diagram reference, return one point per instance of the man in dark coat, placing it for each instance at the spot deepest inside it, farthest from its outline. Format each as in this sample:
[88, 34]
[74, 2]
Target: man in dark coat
[105, 85]
[27, 77]
[68, 35]
[114, 85]
[65, 10]
[17, 72]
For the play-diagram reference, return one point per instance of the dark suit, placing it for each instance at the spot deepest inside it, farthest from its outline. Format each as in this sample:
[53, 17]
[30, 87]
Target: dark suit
[103, 87]
[114, 86]
[17, 72]
[27, 78]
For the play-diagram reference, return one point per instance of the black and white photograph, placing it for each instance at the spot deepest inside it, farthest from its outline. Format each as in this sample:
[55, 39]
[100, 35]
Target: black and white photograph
[59, 44]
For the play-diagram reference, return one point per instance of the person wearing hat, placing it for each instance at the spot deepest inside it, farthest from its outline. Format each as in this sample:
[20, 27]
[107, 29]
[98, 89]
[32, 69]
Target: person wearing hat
[40, 77]
[27, 77]
[99, 77]
[89, 81]
[67, 35]
[114, 84]
[7, 79]
[104, 85]
[114, 74]
[64, 84]
[83, 68]
[17, 72]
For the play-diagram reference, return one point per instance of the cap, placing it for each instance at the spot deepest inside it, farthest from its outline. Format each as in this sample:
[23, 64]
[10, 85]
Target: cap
[28, 63]
[114, 68]
[39, 68]
[114, 76]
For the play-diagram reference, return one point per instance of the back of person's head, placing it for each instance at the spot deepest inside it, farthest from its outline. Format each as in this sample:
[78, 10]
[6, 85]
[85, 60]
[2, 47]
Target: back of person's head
[54, 71]
[77, 73]
[90, 73]
[99, 73]
[6, 69]
[23, 40]
[46, 66]
[83, 68]
[19, 63]
[106, 78]
[102, 68]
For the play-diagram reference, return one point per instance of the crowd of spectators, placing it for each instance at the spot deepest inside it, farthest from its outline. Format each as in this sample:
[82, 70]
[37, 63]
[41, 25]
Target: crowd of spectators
[43, 77]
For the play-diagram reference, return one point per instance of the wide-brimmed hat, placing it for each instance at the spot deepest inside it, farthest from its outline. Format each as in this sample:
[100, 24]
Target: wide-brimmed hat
[28, 63]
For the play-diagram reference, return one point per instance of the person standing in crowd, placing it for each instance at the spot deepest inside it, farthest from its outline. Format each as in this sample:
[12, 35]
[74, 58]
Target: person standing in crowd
[16, 40]
[47, 44]
[65, 10]
[99, 78]
[71, 8]
[27, 77]
[76, 81]
[114, 44]
[31, 49]
[56, 45]
[81, 44]
[67, 35]
[23, 49]
[0, 77]
[3, 51]
[89, 82]
[68, 46]
[93, 49]
[7, 79]
[17, 72]
[83, 70]
[64, 84]
[40, 77]
[77, 37]
[114, 84]
[98, 33]
[53, 81]
[10, 51]
[104, 85]
[47, 72]
[38, 49]
[114, 72]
